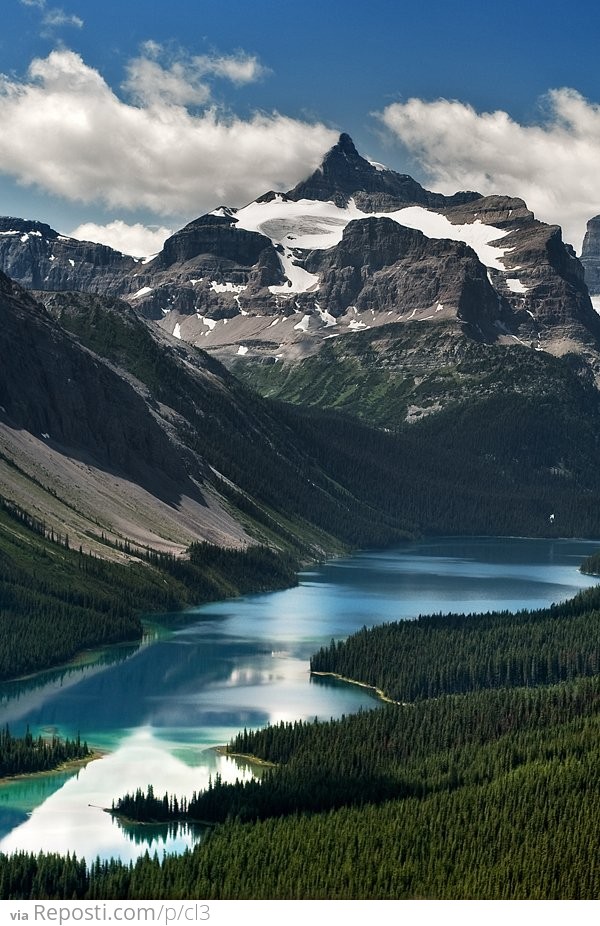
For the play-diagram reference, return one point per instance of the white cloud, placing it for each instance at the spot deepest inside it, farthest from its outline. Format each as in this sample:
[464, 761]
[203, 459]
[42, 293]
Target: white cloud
[138, 240]
[66, 132]
[54, 17]
[182, 81]
[553, 165]
[148, 83]
[239, 69]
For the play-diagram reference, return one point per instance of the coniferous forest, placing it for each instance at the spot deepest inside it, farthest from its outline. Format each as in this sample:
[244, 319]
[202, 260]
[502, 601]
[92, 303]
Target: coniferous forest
[481, 790]
[21, 755]
[56, 601]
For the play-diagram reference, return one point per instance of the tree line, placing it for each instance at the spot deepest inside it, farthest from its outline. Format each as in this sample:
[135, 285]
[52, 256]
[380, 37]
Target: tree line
[21, 755]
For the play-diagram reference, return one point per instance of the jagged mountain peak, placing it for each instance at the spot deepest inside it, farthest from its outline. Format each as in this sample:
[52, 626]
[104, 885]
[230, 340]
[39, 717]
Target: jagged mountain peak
[344, 174]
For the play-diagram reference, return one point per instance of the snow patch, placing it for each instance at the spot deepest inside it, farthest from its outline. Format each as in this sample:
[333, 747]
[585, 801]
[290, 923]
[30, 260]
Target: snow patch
[299, 279]
[177, 331]
[303, 324]
[227, 287]
[596, 303]
[225, 211]
[143, 292]
[242, 350]
[378, 166]
[477, 235]
[209, 322]
[355, 326]
[72, 262]
[309, 224]
[516, 286]
[24, 238]
[326, 316]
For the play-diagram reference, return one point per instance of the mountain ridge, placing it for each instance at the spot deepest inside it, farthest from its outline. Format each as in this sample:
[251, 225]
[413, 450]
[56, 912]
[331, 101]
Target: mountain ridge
[246, 282]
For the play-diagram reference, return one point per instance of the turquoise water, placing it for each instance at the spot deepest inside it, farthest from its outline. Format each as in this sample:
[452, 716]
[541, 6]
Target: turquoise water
[161, 707]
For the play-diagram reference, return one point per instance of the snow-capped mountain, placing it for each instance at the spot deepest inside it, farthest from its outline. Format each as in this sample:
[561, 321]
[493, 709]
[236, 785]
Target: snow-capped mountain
[355, 246]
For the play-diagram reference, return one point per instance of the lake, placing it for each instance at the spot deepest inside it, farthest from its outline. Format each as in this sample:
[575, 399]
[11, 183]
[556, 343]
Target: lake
[159, 708]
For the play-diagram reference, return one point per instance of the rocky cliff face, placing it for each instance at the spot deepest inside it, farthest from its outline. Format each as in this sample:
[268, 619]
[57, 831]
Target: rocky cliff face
[542, 280]
[590, 255]
[38, 257]
[382, 266]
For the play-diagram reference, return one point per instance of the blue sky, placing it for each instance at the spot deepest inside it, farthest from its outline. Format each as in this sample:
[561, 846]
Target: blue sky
[147, 114]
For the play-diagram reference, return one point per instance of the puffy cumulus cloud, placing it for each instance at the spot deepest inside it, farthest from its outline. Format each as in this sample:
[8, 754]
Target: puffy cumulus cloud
[552, 165]
[138, 240]
[68, 133]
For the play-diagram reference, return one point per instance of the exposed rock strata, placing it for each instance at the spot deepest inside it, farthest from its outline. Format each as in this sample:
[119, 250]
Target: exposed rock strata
[590, 255]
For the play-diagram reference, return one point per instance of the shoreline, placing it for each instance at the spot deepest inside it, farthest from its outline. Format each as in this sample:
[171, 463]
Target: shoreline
[248, 757]
[71, 764]
[352, 681]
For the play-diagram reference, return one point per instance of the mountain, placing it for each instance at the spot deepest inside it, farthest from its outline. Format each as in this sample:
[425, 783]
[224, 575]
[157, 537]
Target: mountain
[344, 175]
[399, 363]
[38, 257]
[354, 247]
[84, 446]
[115, 433]
[426, 368]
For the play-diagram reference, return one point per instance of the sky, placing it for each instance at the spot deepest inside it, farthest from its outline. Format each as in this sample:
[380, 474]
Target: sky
[122, 120]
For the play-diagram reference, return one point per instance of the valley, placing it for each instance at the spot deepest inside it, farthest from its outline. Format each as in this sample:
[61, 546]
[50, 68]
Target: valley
[356, 364]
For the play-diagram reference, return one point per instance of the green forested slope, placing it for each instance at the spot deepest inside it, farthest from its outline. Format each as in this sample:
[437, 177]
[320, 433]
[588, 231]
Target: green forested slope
[378, 374]
[56, 602]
